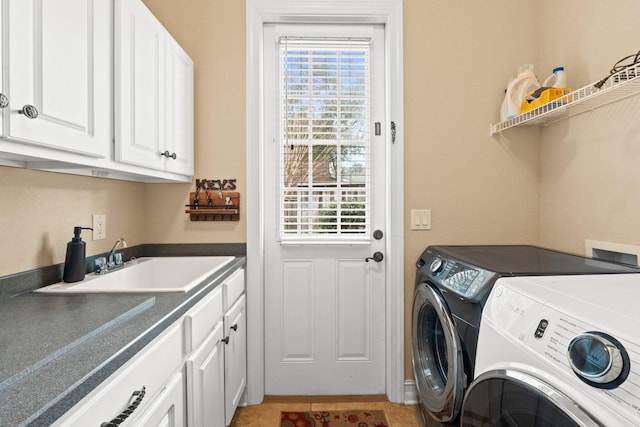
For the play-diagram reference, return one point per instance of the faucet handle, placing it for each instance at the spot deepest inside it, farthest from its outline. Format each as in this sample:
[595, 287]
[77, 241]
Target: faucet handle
[117, 258]
[101, 265]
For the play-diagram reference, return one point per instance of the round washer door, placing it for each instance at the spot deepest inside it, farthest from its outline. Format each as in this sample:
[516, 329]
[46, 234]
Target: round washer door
[513, 398]
[437, 356]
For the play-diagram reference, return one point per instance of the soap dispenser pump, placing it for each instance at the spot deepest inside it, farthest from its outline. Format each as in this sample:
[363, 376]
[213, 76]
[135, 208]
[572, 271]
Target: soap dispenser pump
[75, 263]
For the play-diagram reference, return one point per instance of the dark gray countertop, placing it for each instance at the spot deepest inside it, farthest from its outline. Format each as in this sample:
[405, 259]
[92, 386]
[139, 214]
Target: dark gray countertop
[55, 349]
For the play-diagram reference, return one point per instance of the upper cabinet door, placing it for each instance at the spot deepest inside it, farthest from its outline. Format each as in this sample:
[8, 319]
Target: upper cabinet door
[139, 95]
[3, 96]
[59, 74]
[179, 109]
[154, 93]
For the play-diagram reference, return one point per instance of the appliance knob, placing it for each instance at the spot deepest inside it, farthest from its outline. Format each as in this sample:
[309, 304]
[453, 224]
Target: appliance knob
[437, 265]
[598, 359]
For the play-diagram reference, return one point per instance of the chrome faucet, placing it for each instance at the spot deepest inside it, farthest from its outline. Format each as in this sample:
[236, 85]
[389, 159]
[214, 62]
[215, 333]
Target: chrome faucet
[112, 252]
[113, 260]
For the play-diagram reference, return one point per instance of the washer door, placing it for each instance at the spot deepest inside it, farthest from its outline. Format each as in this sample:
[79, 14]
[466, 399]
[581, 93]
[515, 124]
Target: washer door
[515, 399]
[437, 356]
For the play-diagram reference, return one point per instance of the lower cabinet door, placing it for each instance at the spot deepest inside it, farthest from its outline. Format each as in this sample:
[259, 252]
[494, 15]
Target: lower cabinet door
[167, 410]
[205, 382]
[235, 356]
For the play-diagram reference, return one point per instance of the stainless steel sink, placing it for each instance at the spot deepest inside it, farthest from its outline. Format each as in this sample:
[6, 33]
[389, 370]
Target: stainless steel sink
[162, 274]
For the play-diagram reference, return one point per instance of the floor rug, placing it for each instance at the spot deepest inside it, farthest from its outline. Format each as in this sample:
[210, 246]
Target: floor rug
[349, 418]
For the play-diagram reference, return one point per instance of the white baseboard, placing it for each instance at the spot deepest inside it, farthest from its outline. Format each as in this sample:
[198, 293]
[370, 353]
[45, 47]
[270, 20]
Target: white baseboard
[410, 393]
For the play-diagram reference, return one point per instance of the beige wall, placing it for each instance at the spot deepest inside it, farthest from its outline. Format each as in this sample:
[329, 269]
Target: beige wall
[213, 34]
[577, 179]
[590, 175]
[40, 209]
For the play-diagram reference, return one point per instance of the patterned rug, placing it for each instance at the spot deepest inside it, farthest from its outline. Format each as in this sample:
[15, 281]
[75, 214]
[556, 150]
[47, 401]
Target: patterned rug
[350, 418]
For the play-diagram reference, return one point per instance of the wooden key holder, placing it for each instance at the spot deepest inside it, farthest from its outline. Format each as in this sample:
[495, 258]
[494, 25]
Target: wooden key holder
[214, 205]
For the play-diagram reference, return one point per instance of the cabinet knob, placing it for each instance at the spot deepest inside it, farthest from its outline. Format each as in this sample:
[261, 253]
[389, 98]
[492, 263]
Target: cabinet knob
[235, 327]
[167, 154]
[225, 340]
[29, 111]
[4, 100]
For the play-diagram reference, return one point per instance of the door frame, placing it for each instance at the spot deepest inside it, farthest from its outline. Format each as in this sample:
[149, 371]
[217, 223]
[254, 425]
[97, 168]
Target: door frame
[388, 13]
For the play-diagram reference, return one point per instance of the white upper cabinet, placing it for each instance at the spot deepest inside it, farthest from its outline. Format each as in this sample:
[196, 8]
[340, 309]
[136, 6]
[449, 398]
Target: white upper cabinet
[58, 75]
[179, 109]
[4, 100]
[153, 93]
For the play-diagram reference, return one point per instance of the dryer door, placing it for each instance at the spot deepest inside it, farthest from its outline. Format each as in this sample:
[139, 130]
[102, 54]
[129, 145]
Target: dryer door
[437, 356]
[512, 398]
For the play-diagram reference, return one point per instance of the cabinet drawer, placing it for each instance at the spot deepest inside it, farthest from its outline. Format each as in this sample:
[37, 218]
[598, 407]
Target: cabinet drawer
[233, 288]
[202, 318]
[150, 368]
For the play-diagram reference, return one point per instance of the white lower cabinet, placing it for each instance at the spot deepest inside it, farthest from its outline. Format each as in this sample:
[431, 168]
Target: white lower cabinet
[205, 379]
[235, 356]
[217, 368]
[151, 371]
[167, 409]
[193, 374]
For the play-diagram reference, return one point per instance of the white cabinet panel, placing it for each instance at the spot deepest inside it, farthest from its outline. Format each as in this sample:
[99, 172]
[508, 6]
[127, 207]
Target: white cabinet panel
[59, 62]
[205, 379]
[235, 356]
[179, 109]
[168, 408]
[154, 93]
[3, 96]
[139, 59]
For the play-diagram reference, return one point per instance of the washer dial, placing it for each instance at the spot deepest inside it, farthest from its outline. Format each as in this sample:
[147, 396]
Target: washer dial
[437, 265]
[598, 359]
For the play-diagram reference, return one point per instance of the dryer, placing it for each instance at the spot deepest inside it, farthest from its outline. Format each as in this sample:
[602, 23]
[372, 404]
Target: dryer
[558, 352]
[452, 286]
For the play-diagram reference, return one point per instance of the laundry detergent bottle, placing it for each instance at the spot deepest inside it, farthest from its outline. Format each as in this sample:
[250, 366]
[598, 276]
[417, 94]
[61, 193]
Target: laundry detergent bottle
[557, 79]
[525, 82]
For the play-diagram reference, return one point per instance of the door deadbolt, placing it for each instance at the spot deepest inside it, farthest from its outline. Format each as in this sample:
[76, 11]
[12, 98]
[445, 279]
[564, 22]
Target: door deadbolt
[378, 234]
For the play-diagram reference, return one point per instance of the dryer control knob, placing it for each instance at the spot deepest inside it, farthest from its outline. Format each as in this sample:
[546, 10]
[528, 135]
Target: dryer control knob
[598, 359]
[437, 265]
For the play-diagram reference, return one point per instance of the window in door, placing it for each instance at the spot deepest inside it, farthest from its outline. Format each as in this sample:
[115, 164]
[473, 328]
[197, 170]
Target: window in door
[325, 122]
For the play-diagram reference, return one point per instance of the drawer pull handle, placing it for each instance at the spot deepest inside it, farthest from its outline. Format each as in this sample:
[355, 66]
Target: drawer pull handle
[235, 327]
[139, 395]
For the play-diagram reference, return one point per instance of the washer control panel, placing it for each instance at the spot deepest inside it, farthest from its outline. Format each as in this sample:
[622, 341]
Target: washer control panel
[465, 280]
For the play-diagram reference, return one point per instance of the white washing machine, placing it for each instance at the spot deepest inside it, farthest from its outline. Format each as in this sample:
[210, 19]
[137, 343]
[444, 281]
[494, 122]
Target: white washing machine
[558, 351]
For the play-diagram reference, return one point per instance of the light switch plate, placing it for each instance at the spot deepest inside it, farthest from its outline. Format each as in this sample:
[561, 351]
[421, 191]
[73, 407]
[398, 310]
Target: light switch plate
[421, 219]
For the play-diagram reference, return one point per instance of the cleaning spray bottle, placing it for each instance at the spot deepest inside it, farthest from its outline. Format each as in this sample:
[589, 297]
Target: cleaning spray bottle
[525, 82]
[75, 263]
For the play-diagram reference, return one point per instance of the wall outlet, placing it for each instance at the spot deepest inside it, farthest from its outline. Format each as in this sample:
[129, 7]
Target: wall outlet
[99, 227]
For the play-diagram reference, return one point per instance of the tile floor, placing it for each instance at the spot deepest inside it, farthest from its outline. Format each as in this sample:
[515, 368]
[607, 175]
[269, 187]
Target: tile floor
[267, 414]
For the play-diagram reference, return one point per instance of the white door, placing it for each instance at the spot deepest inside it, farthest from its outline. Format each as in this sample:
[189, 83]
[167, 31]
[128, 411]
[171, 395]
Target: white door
[59, 66]
[326, 194]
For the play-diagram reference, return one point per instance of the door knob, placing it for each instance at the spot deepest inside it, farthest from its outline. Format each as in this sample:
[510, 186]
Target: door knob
[29, 111]
[168, 155]
[377, 257]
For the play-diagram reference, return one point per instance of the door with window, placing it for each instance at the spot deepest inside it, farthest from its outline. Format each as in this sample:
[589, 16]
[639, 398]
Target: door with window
[325, 208]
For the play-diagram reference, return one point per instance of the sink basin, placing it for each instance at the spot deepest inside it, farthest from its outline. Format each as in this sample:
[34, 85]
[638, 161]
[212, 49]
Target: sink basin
[162, 274]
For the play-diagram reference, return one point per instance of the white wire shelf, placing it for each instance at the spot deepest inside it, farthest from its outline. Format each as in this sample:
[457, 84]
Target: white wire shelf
[620, 85]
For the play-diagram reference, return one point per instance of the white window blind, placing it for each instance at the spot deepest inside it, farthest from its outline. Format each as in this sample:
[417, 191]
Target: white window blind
[325, 152]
